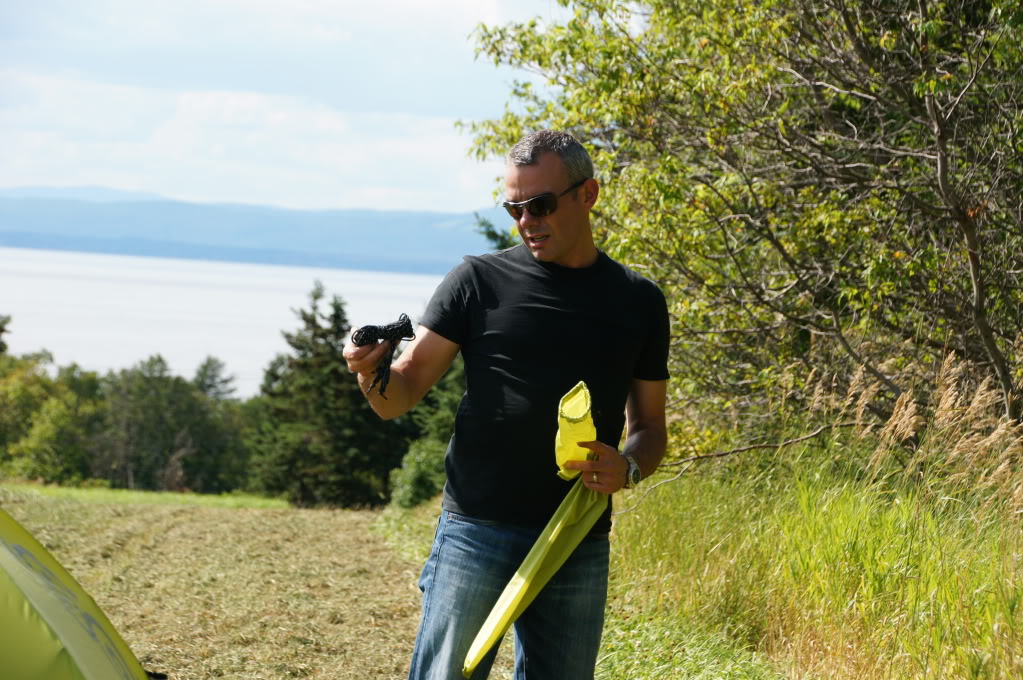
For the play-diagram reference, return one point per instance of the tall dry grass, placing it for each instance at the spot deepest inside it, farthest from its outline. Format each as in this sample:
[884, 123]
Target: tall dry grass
[887, 550]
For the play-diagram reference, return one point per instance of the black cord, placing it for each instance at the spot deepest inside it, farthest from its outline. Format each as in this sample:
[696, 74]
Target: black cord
[392, 333]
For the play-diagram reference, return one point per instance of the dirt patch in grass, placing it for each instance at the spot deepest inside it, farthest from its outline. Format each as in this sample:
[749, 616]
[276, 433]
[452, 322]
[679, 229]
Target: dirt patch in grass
[202, 592]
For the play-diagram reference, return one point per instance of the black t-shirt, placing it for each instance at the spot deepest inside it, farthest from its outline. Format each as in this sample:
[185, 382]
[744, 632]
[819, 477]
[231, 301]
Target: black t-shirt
[529, 331]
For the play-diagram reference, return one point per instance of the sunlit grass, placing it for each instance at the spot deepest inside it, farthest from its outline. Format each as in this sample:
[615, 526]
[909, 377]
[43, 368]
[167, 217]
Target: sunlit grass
[132, 497]
[832, 578]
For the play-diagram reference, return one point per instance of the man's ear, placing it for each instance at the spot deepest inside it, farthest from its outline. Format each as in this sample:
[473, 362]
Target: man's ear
[591, 189]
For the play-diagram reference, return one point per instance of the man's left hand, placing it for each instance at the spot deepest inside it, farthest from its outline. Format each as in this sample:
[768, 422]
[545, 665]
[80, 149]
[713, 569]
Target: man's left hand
[606, 474]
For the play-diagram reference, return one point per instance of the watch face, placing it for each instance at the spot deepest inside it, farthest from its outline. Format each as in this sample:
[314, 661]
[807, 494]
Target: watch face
[634, 476]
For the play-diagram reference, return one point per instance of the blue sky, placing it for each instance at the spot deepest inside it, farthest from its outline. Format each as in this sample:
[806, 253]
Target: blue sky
[308, 104]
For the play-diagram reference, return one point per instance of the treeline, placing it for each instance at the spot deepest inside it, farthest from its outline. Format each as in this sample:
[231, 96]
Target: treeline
[828, 191]
[308, 436]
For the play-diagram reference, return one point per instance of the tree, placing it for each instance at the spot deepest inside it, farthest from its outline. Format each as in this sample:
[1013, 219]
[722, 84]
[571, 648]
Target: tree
[211, 378]
[24, 387]
[825, 185]
[500, 240]
[321, 443]
[161, 432]
[62, 431]
[4, 320]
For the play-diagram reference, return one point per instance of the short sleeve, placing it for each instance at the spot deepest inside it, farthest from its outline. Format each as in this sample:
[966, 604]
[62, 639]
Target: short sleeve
[447, 313]
[652, 363]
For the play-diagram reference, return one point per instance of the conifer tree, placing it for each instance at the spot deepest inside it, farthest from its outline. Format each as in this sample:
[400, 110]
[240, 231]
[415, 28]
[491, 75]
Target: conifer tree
[320, 442]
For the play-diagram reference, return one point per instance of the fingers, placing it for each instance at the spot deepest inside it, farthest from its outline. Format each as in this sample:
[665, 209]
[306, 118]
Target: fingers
[363, 359]
[605, 472]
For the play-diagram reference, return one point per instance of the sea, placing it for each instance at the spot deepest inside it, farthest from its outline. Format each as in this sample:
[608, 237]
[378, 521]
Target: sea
[108, 312]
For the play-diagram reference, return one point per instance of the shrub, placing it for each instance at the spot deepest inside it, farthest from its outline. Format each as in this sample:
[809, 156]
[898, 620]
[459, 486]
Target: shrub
[421, 475]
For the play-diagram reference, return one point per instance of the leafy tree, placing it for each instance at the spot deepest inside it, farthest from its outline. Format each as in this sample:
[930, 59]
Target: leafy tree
[24, 387]
[61, 438]
[320, 442]
[161, 432]
[821, 187]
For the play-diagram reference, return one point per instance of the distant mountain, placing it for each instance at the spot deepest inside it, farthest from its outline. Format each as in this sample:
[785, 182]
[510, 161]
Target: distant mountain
[415, 242]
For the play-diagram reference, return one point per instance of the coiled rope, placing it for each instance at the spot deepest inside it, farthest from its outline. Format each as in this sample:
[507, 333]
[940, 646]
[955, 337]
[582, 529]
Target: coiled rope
[392, 333]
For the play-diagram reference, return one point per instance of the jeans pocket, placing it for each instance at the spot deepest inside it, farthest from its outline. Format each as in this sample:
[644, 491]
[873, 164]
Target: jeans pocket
[464, 519]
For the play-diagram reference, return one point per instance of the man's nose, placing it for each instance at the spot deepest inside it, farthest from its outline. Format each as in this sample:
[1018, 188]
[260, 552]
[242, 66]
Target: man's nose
[527, 219]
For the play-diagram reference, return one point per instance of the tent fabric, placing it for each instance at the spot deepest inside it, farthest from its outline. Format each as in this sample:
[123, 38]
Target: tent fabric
[51, 628]
[570, 524]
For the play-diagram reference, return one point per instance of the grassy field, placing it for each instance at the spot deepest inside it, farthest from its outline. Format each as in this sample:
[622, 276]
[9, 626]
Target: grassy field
[221, 587]
[199, 590]
[811, 564]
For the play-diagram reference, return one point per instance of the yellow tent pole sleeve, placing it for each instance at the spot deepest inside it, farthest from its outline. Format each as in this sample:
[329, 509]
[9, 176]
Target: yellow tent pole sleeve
[570, 524]
[61, 630]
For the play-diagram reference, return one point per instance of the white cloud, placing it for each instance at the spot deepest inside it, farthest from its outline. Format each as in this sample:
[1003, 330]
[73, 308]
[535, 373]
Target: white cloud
[257, 22]
[233, 147]
[220, 100]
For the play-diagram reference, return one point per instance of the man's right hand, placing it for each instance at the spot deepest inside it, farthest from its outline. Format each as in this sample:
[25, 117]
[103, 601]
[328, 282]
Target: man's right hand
[416, 369]
[363, 360]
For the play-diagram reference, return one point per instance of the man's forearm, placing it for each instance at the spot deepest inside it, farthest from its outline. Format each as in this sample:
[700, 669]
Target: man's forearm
[647, 446]
[398, 399]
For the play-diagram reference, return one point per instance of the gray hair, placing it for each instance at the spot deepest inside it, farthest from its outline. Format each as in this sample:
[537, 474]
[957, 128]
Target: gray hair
[577, 161]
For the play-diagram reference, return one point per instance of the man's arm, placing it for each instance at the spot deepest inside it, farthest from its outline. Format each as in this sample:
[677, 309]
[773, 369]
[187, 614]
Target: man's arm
[646, 441]
[418, 368]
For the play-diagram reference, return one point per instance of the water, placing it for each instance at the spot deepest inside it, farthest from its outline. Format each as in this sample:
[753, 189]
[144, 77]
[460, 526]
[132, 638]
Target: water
[106, 312]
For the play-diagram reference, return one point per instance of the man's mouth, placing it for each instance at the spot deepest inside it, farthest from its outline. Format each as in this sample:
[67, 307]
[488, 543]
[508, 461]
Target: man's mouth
[537, 239]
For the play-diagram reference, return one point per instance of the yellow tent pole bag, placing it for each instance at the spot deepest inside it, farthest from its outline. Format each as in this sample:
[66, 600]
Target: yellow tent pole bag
[570, 524]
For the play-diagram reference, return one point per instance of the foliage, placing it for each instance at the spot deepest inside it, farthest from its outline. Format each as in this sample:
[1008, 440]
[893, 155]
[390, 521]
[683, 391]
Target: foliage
[59, 442]
[434, 415]
[499, 240]
[24, 388]
[4, 320]
[421, 475]
[137, 428]
[878, 550]
[828, 185]
[319, 442]
[211, 379]
[160, 432]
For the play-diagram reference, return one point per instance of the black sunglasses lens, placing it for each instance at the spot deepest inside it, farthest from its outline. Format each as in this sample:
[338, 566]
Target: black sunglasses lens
[538, 206]
[542, 205]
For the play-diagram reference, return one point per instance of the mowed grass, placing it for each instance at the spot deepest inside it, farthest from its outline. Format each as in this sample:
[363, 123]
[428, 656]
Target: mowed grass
[234, 592]
[130, 497]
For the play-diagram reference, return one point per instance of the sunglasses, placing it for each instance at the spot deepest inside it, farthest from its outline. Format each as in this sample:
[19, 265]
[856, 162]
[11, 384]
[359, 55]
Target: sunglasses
[538, 206]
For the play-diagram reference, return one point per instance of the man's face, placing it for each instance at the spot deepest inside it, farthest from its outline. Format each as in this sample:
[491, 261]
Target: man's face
[564, 236]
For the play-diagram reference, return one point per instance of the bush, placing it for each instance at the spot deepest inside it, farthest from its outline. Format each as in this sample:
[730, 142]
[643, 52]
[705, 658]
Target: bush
[421, 475]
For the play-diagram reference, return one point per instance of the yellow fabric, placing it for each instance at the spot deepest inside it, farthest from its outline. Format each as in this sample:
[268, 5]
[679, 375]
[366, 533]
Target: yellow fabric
[575, 424]
[571, 523]
[51, 629]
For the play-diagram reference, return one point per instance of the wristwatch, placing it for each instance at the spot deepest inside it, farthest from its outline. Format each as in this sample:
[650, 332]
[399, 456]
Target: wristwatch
[634, 474]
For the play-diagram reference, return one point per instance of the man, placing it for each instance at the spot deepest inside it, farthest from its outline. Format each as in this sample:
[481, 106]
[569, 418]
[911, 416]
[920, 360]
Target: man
[531, 322]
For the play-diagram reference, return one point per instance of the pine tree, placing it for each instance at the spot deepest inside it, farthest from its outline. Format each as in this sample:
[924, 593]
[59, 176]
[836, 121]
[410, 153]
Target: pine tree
[320, 442]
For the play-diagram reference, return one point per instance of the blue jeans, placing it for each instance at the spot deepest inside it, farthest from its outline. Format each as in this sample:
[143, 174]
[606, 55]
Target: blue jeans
[556, 638]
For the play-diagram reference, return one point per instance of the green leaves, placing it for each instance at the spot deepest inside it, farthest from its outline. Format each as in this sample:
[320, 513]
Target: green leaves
[774, 166]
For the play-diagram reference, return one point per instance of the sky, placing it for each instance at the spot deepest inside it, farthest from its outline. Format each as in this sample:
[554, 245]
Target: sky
[308, 104]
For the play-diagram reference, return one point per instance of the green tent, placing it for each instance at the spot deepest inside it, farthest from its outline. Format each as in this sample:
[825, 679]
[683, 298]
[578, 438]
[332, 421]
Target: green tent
[50, 629]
